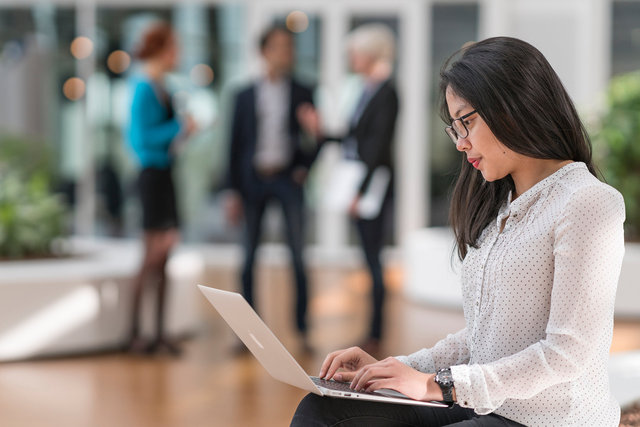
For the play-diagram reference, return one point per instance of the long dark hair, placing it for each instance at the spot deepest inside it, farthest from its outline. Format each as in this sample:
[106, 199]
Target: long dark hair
[522, 100]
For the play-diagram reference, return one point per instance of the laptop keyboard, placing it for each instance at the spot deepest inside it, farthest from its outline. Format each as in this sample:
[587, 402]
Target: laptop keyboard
[332, 385]
[340, 386]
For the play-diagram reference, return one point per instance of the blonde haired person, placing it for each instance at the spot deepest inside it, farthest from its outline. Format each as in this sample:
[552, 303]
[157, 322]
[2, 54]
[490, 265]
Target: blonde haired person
[377, 43]
[371, 49]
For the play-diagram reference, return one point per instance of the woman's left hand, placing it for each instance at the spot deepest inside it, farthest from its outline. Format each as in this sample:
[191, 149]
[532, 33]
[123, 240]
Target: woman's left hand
[393, 374]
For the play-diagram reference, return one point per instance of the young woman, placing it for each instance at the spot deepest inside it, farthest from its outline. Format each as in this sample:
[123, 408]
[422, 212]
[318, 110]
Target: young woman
[152, 130]
[541, 240]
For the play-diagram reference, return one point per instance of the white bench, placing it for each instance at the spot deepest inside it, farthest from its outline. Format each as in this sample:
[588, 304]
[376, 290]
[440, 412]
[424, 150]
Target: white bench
[82, 303]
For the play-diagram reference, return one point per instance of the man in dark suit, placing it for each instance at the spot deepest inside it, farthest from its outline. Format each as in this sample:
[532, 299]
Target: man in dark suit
[267, 160]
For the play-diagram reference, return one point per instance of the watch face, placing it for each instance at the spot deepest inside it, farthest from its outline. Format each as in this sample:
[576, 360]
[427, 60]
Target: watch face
[444, 378]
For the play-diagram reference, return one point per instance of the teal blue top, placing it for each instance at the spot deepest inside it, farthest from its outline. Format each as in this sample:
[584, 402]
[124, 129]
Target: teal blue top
[152, 124]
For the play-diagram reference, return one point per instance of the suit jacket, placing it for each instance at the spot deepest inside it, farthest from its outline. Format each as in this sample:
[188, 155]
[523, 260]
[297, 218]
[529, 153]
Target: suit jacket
[375, 129]
[242, 174]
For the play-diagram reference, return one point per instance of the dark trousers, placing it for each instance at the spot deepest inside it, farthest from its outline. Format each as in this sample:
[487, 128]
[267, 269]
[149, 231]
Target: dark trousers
[289, 195]
[318, 411]
[372, 233]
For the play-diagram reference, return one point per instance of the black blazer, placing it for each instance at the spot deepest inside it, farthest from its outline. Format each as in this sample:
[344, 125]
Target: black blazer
[375, 129]
[242, 174]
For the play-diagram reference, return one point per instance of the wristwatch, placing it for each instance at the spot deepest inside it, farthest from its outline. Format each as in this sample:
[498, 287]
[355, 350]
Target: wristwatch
[445, 380]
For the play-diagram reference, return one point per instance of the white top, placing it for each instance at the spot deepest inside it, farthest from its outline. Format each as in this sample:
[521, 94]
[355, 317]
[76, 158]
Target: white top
[273, 148]
[538, 302]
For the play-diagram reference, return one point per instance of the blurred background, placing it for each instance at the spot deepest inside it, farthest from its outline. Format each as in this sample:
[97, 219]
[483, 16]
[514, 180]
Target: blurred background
[70, 219]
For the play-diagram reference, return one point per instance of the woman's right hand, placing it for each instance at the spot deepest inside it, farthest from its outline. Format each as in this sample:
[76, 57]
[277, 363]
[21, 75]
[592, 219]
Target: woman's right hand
[350, 361]
[190, 125]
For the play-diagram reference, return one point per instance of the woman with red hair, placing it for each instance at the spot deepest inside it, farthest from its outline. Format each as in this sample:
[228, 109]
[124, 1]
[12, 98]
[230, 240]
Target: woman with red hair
[153, 130]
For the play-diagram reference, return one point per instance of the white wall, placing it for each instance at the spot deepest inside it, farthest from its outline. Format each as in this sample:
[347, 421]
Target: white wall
[574, 35]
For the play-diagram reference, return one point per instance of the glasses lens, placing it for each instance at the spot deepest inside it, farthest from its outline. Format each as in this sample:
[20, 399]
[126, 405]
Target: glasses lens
[460, 128]
[452, 134]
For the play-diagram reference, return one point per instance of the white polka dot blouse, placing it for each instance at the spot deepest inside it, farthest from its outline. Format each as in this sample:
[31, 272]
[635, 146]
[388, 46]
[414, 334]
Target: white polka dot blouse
[538, 300]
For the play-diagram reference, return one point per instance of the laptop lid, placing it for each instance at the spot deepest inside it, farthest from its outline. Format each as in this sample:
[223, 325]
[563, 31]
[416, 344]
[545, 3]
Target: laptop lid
[257, 336]
[275, 358]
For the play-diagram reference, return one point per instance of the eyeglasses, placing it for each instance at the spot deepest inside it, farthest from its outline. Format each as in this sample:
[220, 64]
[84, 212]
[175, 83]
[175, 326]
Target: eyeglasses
[458, 129]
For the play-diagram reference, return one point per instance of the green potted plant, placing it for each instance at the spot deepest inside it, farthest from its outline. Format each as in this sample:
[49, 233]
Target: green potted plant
[616, 138]
[617, 145]
[31, 215]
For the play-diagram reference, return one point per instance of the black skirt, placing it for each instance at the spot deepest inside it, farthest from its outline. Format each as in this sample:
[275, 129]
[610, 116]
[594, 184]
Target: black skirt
[158, 198]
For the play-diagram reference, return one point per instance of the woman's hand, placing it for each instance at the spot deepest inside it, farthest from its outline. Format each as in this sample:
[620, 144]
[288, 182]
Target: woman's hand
[190, 125]
[350, 360]
[393, 374]
[353, 207]
[233, 208]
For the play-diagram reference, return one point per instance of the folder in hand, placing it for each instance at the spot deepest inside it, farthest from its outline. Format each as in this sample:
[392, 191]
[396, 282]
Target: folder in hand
[345, 181]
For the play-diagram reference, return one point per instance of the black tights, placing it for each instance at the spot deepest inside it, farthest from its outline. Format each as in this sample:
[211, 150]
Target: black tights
[158, 244]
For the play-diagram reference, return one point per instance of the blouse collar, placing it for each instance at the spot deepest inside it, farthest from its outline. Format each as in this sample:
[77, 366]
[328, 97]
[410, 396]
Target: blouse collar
[518, 207]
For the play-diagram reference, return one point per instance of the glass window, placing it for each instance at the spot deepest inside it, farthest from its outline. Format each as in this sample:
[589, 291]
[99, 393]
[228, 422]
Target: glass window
[39, 38]
[14, 24]
[625, 40]
[33, 39]
[452, 26]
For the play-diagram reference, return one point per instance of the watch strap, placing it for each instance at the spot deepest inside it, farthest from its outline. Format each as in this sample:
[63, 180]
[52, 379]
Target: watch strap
[445, 381]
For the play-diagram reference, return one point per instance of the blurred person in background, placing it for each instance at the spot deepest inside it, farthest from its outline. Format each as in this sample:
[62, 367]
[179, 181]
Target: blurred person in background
[153, 132]
[542, 242]
[371, 50]
[268, 162]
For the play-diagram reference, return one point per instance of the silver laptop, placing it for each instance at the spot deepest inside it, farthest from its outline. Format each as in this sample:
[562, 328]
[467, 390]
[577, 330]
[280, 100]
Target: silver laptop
[275, 358]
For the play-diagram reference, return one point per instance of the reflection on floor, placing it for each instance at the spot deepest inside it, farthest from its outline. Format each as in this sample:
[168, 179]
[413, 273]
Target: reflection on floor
[209, 385]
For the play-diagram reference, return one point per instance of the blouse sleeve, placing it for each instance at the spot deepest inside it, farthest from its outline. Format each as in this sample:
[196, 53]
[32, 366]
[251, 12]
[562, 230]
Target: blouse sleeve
[451, 350]
[588, 251]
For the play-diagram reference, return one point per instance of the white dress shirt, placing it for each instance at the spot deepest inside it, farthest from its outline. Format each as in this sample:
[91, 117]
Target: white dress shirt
[538, 301]
[273, 148]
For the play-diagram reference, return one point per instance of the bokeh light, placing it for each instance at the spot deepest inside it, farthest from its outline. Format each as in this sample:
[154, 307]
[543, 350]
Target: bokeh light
[201, 75]
[74, 88]
[81, 47]
[297, 21]
[118, 61]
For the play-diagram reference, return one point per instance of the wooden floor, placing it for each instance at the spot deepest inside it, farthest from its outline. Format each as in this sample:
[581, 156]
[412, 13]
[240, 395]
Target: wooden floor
[209, 385]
